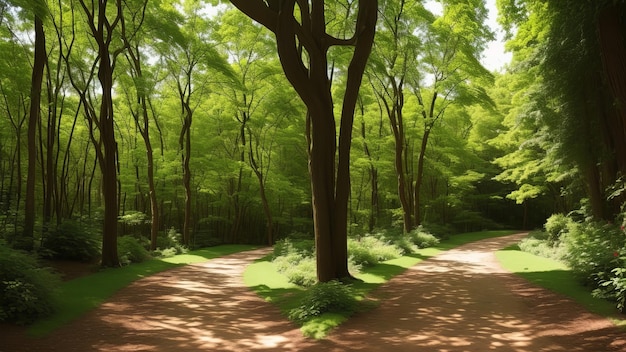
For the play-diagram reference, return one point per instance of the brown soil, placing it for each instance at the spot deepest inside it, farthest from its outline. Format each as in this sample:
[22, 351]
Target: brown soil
[461, 300]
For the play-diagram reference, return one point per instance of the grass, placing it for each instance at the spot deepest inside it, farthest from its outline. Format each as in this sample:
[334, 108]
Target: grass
[274, 287]
[78, 296]
[557, 277]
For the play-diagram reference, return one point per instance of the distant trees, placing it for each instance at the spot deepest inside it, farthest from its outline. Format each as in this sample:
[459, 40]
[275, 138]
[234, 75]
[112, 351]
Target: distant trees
[573, 106]
[174, 114]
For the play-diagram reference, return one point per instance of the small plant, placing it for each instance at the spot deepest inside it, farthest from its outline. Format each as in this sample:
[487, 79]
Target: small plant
[370, 250]
[537, 243]
[26, 290]
[325, 297]
[171, 240]
[296, 261]
[422, 238]
[131, 250]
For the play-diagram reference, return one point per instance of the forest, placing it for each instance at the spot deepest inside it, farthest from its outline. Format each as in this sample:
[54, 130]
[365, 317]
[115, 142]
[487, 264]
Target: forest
[193, 123]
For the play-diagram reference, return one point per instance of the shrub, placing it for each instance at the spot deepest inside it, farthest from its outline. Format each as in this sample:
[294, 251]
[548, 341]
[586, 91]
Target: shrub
[543, 248]
[131, 250]
[164, 253]
[591, 247]
[299, 270]
[287, 245]
[26, 290]
[422, 238]
[72, 240]
[557, 225]
[614, 286]
[171, 240]
[326, 297]
[295, 260]
[370, 250]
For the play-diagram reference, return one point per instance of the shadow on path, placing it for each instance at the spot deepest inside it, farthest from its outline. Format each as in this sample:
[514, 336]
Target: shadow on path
[460, 300]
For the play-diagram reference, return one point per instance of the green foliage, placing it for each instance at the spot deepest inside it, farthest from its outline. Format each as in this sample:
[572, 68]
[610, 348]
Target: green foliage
[289, 245]
[325, 297]
[299, 269]
[411, 242]
[537, 243]
[614, 286]
[73, 240]
[26, 290]
[370, 250]
[591, 247]
[557, 225]
[170, 242]
[422, 238]
[132, 250]
[295, 260]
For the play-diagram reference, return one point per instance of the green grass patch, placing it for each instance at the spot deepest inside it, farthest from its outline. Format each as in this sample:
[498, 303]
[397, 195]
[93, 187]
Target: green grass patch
[274, 287]
[78, 296]
[557, 277]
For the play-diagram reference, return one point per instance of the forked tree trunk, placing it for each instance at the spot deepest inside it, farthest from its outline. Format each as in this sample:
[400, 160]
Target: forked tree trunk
[330, 186]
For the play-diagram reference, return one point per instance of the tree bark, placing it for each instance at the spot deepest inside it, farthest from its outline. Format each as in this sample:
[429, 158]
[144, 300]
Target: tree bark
[27, 240]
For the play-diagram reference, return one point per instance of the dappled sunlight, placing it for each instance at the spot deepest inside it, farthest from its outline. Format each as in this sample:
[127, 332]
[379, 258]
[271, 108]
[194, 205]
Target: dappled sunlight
[198, 307]
[462, 300]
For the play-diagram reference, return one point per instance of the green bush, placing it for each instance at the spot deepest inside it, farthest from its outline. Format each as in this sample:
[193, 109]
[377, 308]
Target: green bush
[614, 286]
[26, 290]
[299, 270]
[370, 250]
[557, 225]
[131, 250]
[74, 241]
[295, 260]
[326, 297]
[537, 243]
[422, 238]
[164, 253]
[285, 246]
[171, 240]
[591, 248]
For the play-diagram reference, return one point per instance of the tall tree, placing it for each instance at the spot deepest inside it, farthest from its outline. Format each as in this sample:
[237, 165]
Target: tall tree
[582, 106]
[34, 118]
[303, 44]
[102, 24]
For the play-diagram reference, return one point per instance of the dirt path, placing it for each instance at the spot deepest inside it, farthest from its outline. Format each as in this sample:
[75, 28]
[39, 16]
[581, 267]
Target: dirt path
[458, 301]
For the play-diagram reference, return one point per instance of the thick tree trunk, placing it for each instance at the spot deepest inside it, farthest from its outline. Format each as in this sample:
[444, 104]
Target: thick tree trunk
[330, 190]
[613, 52]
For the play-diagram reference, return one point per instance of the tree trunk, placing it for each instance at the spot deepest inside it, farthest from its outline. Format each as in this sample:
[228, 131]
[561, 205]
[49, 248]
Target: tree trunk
[329, 195]
[186, 158]
[27, 240]
[420, 177]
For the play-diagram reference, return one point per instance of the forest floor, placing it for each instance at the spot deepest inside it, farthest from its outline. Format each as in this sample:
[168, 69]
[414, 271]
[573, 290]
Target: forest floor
[460, 300]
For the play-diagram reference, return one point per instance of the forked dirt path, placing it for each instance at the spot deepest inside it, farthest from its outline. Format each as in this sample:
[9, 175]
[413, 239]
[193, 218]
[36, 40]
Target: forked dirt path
[461, 300]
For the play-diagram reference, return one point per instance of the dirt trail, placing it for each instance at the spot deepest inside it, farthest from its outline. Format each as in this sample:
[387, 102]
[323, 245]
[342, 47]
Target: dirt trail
[461, 300]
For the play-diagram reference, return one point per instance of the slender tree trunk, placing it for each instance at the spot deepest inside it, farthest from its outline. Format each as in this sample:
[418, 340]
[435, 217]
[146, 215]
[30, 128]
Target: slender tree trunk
[185, 144]
[27, 241]
[106, 145]
[419, 180]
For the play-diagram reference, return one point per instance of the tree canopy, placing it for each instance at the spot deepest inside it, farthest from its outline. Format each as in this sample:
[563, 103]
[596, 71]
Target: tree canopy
[257, 120]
